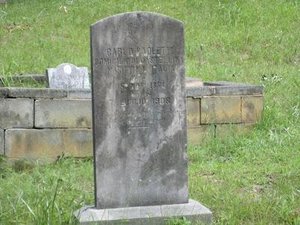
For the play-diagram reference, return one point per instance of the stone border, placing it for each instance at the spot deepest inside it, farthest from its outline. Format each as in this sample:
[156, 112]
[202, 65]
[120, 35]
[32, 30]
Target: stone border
[220, 88]
[36, 93]
[214, 109]
[194, 88]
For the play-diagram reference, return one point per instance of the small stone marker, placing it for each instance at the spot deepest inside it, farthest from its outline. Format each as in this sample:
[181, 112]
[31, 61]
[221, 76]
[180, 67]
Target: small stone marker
[139, 122]
[68, 76]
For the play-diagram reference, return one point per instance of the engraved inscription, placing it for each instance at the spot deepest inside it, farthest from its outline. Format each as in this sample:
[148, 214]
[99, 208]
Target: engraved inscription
[134, 60]
[138, 92]
[162, 101]
[157, 84]
[120, 52]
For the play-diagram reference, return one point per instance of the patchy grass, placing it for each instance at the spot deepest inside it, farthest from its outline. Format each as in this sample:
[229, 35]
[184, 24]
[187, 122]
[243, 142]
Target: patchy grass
[44, 194]
[244, 179]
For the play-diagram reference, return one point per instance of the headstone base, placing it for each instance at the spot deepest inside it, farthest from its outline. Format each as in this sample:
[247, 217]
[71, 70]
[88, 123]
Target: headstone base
[146, 215]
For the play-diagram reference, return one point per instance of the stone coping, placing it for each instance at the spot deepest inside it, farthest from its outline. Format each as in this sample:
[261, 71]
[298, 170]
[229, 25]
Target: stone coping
[194, 88]
[14, 92]
[220, 88]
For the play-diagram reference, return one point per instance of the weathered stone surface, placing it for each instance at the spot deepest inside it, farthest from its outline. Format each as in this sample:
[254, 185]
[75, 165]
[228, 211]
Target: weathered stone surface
[252, 108]
[193, 112]
[80, 94]
[47, 144]
[139, 110]
[1, 142]
[199, 135]
[36, 93]
[68, 76]
[193, 83]
[62, 113]
[3, 92]
[16, 113]
[225, 109]
[195, 89]
[159, 214]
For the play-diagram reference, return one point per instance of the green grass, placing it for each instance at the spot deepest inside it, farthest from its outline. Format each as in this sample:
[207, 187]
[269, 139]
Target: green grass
[244, 179]
[44, 194]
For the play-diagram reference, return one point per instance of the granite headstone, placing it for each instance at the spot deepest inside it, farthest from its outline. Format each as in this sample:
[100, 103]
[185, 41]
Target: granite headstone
[139, 111]
[139, 120]
[68, 76]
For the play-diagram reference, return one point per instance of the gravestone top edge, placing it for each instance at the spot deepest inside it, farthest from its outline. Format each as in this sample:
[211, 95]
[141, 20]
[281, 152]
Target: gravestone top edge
[135, 13]
[64, 64]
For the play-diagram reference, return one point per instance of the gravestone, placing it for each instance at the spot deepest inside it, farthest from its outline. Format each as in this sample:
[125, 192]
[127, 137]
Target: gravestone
[68, 76]
[139, 122]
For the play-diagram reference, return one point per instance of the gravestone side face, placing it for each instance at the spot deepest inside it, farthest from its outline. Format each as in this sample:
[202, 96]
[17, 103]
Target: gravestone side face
[68, 76]
[139, 112]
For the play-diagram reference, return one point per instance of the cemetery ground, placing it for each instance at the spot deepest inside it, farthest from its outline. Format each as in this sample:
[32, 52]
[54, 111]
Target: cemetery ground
[248, 178]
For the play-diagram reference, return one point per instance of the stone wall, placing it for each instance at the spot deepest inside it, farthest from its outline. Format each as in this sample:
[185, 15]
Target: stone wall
[220, 109]
[47, 123]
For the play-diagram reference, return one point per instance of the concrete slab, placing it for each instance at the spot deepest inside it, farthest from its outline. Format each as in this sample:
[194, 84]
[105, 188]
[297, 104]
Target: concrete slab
[221, 109]
[193, 111]
[47, 145]
[16, 113]
[252, 108]
[35, 93]
[146, 215]
[63, 113]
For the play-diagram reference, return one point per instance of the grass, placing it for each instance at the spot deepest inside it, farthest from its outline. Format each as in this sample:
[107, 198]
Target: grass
[245, 179]
[44, 194]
